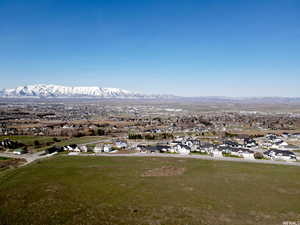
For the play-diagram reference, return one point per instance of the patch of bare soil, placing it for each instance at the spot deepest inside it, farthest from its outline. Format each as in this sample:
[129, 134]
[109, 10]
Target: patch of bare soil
[11, 163]
[164, 172]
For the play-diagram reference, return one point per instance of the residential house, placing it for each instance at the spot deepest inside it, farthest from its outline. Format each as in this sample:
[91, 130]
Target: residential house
[107, 148]
[83, 148]
[247, 154]
[98, 148]
[181, 149]
[284, 155]
[121, 144]
[216, 153]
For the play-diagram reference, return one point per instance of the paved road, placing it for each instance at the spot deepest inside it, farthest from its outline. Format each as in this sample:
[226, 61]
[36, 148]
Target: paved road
[203, 157]
[39, 155]
[28, 157]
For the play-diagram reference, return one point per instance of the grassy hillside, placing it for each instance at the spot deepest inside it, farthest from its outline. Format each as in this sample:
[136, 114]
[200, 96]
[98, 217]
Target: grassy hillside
[123, 190]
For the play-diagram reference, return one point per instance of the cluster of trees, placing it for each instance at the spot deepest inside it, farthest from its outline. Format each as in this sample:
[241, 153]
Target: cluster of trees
[38, 144]
[7, 143]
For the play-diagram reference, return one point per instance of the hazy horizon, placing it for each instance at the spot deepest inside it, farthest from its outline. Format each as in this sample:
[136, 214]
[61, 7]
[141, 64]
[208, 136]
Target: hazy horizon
[183, 48]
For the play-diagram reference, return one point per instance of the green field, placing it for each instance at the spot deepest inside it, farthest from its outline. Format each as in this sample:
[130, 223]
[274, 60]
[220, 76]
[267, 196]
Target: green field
[136, 191]
[28, 140]
[81, 140]
[46, 141]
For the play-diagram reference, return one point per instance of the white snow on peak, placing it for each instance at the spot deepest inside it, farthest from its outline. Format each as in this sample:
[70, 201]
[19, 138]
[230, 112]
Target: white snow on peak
[44, 90]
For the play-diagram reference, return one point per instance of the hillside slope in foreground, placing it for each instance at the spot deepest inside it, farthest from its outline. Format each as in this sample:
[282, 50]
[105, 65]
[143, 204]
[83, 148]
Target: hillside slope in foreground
[129, 190]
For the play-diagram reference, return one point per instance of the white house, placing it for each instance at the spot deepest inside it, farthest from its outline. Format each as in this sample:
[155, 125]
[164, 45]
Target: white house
[216, 153]
[77, 149]
[281, 155]
[98, 148]
[71, 148]
[181, 149]
[283, 144]
[248, 155]
[107, 148]
[83, 148]
[121, 144]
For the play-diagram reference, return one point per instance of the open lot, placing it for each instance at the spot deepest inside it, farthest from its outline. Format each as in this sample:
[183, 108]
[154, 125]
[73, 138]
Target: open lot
[129, 190]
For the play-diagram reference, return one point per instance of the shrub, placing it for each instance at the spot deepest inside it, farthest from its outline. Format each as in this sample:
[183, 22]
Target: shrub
[36, 143]
[55, 139]
[258, 155]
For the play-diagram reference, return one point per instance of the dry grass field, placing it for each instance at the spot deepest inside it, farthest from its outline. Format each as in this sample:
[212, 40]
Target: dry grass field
[129, 190]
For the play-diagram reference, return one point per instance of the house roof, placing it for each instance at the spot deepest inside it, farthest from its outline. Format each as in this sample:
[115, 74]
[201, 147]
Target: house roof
[282, 152]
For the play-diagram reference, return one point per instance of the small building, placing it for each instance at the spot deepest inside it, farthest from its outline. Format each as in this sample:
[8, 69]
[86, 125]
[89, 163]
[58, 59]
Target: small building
[284, 155]
[181, 149]
[250, 143]
[121, 144]
[248, 155]
[107, 148]
[141, 148]
[83, 148]
[71, 147]
[77, 149]
[98, 148]
[216, 153]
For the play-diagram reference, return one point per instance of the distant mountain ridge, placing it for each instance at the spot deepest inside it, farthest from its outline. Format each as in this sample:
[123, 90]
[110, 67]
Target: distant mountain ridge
[56, 91]
[59, 91]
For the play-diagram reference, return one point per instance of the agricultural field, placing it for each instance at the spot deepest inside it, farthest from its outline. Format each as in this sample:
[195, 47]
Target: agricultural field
[137, 191]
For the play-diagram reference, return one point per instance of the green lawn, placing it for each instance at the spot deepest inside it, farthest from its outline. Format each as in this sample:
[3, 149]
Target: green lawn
[28, 140]
[81, 140]
[230, 155]
[3, 158]
[136, 191]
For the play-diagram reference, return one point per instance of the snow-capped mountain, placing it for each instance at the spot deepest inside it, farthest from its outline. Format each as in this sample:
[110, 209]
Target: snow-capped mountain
[52, 91]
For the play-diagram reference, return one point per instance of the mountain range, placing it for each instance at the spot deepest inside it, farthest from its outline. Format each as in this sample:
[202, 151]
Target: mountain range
[58, 91]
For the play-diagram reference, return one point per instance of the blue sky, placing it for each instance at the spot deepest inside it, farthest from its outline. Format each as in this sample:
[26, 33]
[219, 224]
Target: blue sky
[187, 48]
